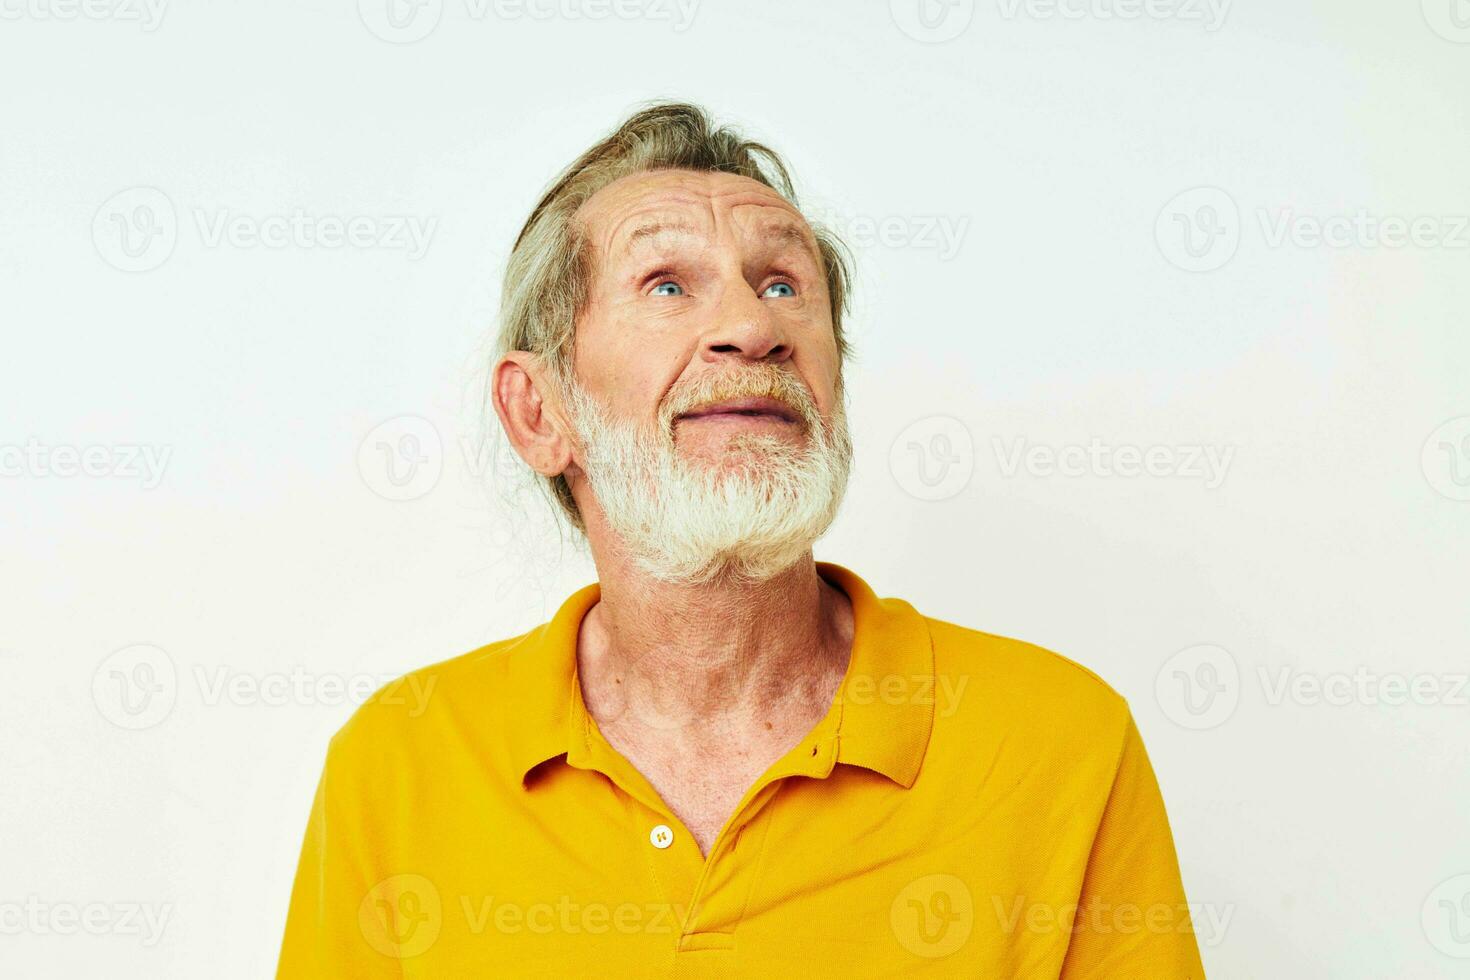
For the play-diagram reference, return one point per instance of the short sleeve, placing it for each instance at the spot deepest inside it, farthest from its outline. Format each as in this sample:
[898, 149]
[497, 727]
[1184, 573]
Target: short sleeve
[324, 936]
[1132, 919]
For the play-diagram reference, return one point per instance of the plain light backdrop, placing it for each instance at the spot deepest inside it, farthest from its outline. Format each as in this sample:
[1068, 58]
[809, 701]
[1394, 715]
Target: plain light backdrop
[1163, 362]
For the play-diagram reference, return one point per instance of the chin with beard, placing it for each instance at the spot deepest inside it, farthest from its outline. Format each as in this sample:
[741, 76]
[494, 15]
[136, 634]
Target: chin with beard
[747, 514]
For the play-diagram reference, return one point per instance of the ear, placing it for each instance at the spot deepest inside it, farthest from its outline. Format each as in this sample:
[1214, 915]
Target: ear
[529, 412]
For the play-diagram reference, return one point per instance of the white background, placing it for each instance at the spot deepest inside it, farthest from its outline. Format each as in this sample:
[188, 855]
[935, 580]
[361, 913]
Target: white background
[1330, 828]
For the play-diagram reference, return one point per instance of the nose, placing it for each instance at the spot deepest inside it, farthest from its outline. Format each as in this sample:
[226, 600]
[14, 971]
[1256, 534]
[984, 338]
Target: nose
[744, 327]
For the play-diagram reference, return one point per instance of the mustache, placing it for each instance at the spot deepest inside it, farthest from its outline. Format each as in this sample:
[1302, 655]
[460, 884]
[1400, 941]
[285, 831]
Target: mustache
[752, 382]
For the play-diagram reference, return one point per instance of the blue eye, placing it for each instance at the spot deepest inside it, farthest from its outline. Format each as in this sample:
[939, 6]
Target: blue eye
[780, 285]
[659, 289]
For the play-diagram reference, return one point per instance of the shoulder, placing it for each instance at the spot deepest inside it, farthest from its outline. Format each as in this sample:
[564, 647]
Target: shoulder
[426, 705]
[1026, 689]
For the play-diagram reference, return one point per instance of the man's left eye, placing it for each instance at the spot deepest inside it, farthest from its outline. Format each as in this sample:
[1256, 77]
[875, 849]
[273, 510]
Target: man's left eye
[789, 291]
[668, 289]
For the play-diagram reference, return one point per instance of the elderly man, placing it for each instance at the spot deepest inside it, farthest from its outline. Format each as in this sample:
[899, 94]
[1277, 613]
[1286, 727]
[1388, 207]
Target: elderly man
[723, 759]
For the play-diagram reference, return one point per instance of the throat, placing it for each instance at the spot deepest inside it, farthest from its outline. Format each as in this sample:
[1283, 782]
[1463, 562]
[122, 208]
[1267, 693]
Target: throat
[702, 775]
[705, 716]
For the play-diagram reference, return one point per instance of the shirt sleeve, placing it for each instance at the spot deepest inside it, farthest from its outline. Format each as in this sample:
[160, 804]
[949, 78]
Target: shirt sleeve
[1132, 919]
[325, 935]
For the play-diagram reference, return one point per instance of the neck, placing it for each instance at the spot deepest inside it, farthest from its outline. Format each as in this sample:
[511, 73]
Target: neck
[712, 657]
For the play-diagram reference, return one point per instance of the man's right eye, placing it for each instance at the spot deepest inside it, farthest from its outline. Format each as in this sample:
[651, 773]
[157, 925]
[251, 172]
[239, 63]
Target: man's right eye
[668, 289]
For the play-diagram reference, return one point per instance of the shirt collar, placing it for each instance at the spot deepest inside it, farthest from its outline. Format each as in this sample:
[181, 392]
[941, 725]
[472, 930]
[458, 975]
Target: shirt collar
[888, 694]
[885, 705]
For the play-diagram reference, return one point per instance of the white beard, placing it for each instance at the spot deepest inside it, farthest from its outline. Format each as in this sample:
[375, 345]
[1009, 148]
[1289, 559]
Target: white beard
[749, 514]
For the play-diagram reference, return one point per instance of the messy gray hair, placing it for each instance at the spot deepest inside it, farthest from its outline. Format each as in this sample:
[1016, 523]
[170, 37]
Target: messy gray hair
[549, 270]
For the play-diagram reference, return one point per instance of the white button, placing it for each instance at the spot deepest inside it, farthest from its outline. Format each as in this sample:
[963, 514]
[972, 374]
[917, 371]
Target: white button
[661, 836]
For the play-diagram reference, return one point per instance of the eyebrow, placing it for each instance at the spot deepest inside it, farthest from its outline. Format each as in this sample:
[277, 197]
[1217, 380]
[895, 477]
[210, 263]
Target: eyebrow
[653, 229]
[786, 233]
[783, 233]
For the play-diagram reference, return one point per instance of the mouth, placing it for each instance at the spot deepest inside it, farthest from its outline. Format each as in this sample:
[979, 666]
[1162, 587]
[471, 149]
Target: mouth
[744, 409]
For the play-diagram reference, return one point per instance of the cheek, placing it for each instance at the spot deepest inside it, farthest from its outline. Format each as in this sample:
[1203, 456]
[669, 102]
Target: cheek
[816, 344]
[820, 369]
[633, 367]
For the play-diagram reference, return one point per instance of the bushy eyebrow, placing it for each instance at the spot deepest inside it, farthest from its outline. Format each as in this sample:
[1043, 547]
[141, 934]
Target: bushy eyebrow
[654, 229]
[787, 234]
[781, 233]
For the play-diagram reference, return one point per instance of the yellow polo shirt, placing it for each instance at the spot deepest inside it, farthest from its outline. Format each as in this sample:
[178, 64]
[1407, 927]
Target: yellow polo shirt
[971, 806]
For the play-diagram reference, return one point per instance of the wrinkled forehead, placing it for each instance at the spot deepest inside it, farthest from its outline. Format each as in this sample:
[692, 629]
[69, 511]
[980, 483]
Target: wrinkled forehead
[644, 211]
